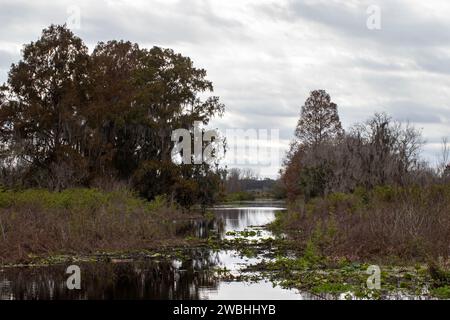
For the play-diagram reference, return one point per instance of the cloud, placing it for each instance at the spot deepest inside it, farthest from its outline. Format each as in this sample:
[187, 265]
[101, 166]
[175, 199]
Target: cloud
[6, 59]
[265, 56]
[404, 23]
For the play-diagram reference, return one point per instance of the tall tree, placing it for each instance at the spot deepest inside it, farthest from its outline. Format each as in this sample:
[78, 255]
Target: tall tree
[170, 97]
[319, 120]
[307, 169]
[113, 115]
[69, 118]
[42, 122]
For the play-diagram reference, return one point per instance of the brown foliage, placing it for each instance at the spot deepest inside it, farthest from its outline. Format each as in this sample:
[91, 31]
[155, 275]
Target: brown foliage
[82, 221]
[69, 118]
[319, 120]
[407, 223]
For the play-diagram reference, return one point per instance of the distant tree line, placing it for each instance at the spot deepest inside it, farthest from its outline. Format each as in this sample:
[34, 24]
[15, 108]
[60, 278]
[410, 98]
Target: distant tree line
[70, 118]
[325, 159]
[247, 181]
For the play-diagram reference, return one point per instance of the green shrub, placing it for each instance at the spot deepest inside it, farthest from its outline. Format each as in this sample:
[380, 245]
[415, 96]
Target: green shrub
[240, 196]
[384, 193]
[441, 292]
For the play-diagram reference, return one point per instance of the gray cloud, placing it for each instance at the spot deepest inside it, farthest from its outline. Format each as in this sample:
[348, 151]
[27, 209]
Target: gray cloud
[409, 111]
[401, 24]
[7, 58]
[265, 56]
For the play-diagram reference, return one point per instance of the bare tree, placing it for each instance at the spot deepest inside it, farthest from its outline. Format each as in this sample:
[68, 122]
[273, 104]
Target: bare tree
[377, 152]
[249, 174]
[444, 163]
[233, 180]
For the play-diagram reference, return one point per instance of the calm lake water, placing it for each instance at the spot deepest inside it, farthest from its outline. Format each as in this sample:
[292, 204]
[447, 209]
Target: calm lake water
[194, 278]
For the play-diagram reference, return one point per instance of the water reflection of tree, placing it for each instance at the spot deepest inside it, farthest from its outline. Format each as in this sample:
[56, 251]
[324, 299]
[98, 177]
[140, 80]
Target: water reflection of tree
[241, 218]
[199, 228]
[136, 280]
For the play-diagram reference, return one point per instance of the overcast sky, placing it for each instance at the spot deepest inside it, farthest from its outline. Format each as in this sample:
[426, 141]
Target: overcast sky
[264, 56]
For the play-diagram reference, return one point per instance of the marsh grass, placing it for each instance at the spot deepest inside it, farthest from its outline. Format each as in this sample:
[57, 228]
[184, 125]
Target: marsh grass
[402, 224]
[39, 222]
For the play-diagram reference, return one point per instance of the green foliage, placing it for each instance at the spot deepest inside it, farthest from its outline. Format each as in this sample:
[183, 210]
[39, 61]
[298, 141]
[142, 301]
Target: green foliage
[313, 181]
[77, 198]
[240, 196]
[384, 193]
[245, 233]
[439, 276]
[441, 292]
[331, 288]
[311, 255]
[338, 197]
[343, 202]
[361, 194]
[158, 203]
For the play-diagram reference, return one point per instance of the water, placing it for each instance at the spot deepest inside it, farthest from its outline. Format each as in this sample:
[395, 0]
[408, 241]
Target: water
[194, 278]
